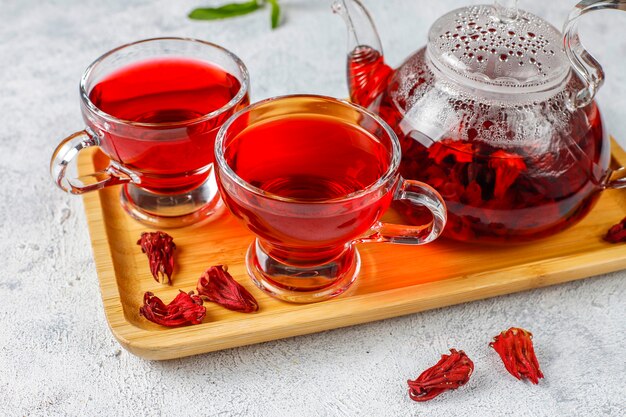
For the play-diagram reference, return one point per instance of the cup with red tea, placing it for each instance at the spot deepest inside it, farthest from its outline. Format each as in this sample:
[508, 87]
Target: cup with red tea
[311, 177]
[154, 107]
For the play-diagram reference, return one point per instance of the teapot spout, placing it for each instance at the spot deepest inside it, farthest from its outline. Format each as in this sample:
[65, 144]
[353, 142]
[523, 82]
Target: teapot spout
[367, 72]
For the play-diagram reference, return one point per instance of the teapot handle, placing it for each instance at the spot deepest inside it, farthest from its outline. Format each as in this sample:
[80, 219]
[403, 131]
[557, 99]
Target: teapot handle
[585, 65]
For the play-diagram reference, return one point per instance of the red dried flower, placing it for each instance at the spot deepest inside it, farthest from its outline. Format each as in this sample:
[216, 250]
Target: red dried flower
[159, 246]
[617, 232]
[515, 347]
[184, 309]
[461, 152]
[508, 167]
[449, 373]
[218, 286]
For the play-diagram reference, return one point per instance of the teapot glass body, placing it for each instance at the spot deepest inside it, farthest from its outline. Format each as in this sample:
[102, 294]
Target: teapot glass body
[492, 115]
[508, 169]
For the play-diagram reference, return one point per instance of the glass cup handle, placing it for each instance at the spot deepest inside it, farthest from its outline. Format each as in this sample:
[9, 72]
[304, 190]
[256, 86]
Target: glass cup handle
[67, 151]
[420, 195]
[616, 179]
[585, 65]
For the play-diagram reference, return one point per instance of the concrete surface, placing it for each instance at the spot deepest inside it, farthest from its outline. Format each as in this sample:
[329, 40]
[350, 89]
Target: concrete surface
[57, 356]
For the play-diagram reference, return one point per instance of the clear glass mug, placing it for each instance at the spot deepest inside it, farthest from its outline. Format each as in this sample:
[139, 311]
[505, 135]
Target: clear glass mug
[165, 158]
[311, 176]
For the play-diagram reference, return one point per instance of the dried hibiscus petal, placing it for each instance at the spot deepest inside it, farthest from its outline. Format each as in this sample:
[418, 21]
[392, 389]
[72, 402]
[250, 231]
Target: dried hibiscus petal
[159, 246]
[508, 167]
[449, 373]
[617, 232]
[218, 286]
[461, 152]
[515, 347]
[186, 308]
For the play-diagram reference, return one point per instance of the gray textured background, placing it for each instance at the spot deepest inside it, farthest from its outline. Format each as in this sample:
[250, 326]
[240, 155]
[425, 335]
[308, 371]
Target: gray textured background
[57, 356]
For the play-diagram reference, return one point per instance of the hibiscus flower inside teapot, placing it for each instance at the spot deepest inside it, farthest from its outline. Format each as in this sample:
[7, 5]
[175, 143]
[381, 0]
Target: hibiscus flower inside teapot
[497, 113]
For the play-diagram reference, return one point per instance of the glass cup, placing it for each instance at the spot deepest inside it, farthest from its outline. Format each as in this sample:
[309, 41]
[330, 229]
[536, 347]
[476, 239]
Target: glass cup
[163, 156]
[311, 176]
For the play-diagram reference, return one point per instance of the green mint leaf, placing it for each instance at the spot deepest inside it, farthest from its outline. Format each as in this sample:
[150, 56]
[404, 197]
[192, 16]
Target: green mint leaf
[275, 13]
[224, 12]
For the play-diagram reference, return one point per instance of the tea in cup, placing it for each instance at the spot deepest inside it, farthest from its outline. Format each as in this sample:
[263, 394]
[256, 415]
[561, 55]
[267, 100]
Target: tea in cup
[311, 176]
[154, 107]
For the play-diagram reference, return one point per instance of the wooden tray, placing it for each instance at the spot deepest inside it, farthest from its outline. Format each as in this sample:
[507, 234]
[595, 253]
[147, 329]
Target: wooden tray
[395, 280]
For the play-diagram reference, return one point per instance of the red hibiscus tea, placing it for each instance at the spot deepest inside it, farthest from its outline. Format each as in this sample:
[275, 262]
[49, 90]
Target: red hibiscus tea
[154, 108]
[492, 194]
[306, 161]
[311, 177]
[168, 138]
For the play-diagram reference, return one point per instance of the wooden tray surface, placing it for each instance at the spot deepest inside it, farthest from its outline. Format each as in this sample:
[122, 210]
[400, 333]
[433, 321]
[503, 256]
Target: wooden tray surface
[394, 280]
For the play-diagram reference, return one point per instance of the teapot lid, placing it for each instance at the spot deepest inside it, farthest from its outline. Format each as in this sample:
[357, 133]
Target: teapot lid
[498, 49]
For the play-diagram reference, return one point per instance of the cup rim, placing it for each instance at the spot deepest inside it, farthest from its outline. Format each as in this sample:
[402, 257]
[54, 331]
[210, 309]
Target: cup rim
[391, 171]
[243, 89]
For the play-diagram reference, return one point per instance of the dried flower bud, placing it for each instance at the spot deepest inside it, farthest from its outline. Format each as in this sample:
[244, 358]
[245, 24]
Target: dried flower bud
[515, 347]
[184, 309]
[617, 233]
[159, 246]
[218, 286]
[508, 167]
[462, 152]
[449, 373]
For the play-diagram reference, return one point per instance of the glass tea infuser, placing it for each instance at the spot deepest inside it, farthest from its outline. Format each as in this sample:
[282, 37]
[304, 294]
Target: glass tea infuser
[497, 113]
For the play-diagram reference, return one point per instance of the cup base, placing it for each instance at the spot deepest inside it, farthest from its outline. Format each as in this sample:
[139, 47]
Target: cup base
[296, 284]
[166, 211]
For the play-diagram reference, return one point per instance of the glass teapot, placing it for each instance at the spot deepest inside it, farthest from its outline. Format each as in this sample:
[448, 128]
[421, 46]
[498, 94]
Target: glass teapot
[496, 113]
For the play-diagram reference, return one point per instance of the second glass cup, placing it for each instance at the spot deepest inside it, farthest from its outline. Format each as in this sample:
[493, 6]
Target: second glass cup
[311, 176]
